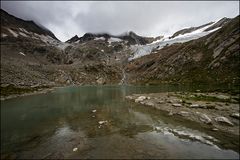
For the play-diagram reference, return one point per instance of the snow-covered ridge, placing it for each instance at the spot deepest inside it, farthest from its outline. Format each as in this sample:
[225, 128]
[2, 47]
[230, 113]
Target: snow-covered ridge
[44, 38]
[142, 50]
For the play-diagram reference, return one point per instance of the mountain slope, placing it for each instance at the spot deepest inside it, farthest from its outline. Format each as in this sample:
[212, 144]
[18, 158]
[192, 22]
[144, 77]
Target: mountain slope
[32, 56]
[11, 25]
[210, 59]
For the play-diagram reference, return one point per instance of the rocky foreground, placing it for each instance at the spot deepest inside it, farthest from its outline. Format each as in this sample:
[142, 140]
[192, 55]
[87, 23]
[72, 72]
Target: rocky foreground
[215, 111]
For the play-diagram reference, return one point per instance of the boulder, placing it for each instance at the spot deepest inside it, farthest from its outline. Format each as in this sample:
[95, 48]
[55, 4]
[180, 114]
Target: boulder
[235, 115]
[160, 102]
[149, 104]
[129, 97]
[195, 106]
[102, 122]
[184, 113]
[140, 99]
[176, 105]
[100, 80]
[224, 120]
[204, 118]
[170, 113]
[222, 97]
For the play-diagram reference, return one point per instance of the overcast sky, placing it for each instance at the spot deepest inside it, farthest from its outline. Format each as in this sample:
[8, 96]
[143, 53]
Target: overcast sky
[66, 19]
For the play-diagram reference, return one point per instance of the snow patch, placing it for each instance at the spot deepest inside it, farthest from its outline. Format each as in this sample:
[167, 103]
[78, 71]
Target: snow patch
[24, 30]
[23, 34]
[13, 33]
[112, 39]
[4, 35]
[63, 45]
[21, 53]
[99, 38]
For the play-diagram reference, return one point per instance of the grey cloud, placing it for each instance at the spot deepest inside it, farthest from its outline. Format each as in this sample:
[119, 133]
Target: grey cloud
[154, 18]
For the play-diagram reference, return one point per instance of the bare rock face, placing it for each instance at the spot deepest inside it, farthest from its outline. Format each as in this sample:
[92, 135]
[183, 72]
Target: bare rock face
[224, 120]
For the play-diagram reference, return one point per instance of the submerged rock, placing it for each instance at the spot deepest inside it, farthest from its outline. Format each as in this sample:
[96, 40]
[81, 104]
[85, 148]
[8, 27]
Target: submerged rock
[170, 113]
[224, 120]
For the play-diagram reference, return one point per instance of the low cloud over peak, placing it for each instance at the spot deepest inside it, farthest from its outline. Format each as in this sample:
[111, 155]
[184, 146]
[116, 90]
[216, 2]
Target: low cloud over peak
[66, 19]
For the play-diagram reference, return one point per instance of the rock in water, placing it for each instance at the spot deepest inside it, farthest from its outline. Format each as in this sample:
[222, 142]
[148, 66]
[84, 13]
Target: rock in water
[140, 99]
[224, 120]
[204, 118]
[94, 110]
[149, 104]
[75, 149]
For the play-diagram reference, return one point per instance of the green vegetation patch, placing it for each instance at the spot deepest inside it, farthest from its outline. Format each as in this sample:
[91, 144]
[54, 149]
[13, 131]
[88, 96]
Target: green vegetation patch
[201, 97]
[13, 90]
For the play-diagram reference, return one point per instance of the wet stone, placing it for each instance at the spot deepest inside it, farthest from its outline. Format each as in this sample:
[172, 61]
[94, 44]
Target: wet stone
[224, 120]
[177, 105]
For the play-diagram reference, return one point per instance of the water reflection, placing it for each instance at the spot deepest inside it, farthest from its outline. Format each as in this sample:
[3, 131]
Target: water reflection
[51, 125]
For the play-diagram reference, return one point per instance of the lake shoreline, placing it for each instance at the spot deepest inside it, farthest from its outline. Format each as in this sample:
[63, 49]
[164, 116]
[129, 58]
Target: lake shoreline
[216, 111]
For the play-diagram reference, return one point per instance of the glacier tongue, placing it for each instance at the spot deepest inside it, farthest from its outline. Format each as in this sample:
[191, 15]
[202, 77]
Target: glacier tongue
[142, 50]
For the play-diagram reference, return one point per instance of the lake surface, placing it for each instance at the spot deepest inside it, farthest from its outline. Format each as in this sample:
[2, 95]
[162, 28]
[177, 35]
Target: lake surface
[52, 125]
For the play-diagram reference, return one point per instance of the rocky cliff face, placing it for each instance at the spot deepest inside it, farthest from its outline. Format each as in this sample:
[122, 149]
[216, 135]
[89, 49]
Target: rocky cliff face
[211, 59]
